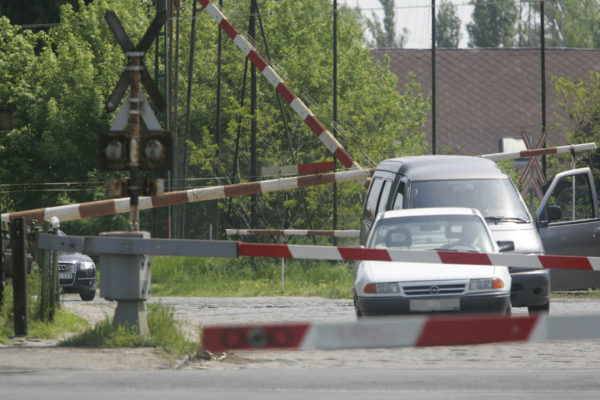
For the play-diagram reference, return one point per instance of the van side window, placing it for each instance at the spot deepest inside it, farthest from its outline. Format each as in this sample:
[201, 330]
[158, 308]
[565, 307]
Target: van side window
[574, 197]
[383, 199]
[399, 201]
[373, 198]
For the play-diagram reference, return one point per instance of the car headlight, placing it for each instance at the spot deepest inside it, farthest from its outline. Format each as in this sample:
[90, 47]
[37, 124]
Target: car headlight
[382, 288]
[486, 283]
[86, 265]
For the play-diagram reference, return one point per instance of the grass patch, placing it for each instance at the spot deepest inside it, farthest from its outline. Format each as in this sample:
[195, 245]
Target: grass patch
[246, 277]
[64, 322]
[165, 333]
[577, 294]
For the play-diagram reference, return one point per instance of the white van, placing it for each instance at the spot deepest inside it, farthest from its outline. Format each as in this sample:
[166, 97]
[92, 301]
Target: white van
[464, 181]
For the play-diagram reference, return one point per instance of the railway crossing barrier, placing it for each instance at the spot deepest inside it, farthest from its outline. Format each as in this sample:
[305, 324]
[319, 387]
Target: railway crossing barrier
[125, 268]
[410, 331]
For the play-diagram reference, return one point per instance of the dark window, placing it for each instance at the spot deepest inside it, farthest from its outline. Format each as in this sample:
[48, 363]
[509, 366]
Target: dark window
[373, 198]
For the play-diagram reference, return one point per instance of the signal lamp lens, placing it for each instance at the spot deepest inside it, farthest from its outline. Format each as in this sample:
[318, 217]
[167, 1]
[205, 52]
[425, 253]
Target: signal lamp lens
[114, 150]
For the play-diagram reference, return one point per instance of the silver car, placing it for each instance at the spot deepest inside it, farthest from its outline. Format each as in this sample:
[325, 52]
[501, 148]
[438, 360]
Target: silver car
[386, 287]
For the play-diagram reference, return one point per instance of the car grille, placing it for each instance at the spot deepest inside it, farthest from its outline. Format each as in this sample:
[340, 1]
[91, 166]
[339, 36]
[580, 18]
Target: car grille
[66, 273]
[432, 289]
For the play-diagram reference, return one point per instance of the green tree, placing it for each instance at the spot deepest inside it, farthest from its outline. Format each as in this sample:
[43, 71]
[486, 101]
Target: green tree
[447, 26]
[493, 23]
[33, 12]
[57, 84]
[580, 113]
[574, 23]
[384, 33]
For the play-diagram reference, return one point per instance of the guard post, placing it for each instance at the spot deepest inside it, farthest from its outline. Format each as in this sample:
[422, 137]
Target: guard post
[126, 279]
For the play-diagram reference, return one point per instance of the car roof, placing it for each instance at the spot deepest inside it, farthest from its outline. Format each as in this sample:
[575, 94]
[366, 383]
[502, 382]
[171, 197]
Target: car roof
[442, 167]
[429, 211]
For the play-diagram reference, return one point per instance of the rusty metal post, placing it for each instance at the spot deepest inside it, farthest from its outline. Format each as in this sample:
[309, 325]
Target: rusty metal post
[135, 107]
[43, 260]
[19, 252]
[54, 286]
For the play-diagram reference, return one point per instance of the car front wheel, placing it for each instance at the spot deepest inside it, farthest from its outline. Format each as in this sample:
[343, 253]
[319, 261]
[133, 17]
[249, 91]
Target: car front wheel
[544, 308]
[358, 313]
[88, 295]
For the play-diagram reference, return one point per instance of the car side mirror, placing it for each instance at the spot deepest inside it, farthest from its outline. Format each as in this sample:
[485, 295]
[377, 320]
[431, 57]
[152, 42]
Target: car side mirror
[554, 213]
[505, 245]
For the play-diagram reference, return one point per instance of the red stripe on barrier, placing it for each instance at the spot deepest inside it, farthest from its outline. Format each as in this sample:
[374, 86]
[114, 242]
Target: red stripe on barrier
[228, 29]
[241, 189]
[312, 168]
[566, 262]
[263, 250]
[97, 208]
[315, 125]
[257, 60]
[452, 257]
[285, 92]
[313, 180]
[344, 157]
[350, 253]
[170, 199]
[37, 214]
[204, 2]
[448, 331]
[218, 339]
[538, 152]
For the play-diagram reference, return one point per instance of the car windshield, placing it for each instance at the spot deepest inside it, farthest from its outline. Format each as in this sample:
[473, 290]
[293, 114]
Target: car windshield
[432, 232]
[496, 199]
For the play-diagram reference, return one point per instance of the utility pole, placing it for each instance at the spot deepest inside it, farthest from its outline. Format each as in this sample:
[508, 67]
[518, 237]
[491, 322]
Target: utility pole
[335, 115]
[433, 116]
[134, 139]
[253, 127]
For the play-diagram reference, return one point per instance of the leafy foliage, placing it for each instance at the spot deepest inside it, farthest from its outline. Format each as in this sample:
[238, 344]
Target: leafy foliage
[493, 23]
[384, 33]
[57, 83]
[447, 26]
[580, 117]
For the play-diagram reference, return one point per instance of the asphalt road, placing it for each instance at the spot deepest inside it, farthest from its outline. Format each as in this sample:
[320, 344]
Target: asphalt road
[550, 370]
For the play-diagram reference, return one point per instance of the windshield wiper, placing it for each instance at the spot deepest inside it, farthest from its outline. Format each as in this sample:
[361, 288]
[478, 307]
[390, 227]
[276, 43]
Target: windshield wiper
[505, 219]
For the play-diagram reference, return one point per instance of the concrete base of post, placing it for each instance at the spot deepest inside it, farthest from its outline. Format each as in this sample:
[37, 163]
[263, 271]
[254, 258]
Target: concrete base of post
[132, 313]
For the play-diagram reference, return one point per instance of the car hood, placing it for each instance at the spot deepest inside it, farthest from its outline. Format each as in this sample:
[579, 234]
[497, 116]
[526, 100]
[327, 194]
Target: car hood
[385, 271]
[524, 236]
[73, 257]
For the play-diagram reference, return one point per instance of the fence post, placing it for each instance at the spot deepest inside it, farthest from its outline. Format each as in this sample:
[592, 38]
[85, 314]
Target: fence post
[53, 283]
[44, 261]
[282, 237]
[18, 238]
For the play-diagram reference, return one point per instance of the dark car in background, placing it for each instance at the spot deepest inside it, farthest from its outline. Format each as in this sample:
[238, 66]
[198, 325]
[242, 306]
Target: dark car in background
[77, 274]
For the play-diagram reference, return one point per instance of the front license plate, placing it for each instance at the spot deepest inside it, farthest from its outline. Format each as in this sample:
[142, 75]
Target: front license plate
[65, 275]
[419, 305]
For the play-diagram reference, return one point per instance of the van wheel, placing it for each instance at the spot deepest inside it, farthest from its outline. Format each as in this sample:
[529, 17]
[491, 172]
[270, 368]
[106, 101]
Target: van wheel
[544, 308]
[87, 295]
[356, 309]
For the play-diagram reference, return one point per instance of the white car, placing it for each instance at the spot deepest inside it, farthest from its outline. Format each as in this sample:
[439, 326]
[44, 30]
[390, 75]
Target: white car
[383, 288]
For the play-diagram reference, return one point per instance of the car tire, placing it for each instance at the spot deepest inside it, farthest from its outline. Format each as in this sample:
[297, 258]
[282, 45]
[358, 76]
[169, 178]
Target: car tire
[356, 309]
[544, 308]
[87, 295]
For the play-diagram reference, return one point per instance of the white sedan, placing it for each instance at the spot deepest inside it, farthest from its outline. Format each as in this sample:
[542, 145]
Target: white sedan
[383, 288]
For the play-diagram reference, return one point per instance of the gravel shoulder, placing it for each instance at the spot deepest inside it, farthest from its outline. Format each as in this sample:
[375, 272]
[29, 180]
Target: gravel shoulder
[25, 354]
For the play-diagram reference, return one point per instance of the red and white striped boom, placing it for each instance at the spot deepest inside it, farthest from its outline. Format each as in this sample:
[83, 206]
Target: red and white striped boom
[280, 87]
[300, 169]
[116, 206]
[342, 233]
[540, 152]
[407, 331]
